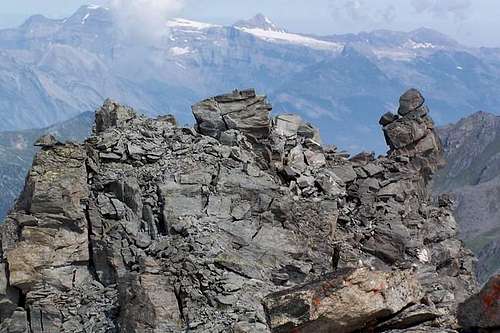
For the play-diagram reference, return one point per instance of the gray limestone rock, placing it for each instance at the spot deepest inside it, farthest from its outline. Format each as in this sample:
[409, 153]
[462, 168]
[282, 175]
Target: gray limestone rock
[287, 125]
[410, 101]
[111, 115]
[345, 172]
[296, 159]
[411, 316]
[47, 140]
[388, 118]
[240, 110]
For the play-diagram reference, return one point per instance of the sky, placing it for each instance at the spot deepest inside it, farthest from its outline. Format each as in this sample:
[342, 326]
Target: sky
[472, 22]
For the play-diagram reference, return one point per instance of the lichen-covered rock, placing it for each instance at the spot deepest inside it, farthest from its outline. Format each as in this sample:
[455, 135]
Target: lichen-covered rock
[147, 227]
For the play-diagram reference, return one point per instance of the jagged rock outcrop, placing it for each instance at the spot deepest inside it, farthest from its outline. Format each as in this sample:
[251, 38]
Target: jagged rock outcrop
[17, 152]
[242, 224]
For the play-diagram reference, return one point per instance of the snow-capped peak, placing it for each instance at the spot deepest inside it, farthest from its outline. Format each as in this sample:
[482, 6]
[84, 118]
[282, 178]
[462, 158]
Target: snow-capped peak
[87, 13]
[291, 38]
[262, 27]
[259, 21]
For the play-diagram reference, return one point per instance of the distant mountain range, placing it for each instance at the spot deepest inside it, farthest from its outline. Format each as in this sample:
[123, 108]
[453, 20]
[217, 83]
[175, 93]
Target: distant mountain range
[51, 70]
[472, 149]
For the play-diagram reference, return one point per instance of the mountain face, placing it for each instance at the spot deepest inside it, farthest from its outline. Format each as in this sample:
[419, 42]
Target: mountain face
[50, 70]
[17, 150]
[472, 149]
[243, 223]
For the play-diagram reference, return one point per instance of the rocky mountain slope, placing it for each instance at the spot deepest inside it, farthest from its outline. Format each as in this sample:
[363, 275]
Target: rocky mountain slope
[472, 149]
[52, 69]
[17, 151]
[241, 224]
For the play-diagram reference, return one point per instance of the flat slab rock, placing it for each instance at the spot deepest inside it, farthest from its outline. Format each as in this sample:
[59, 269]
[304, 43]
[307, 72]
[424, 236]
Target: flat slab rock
[341, 302]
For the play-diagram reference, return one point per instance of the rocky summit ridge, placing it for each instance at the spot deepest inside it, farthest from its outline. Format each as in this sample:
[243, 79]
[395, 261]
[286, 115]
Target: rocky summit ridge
[241, 224]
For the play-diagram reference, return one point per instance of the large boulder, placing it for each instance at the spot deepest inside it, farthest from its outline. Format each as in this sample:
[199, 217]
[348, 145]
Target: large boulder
[240, 110]
[345, 301]
[410, 101]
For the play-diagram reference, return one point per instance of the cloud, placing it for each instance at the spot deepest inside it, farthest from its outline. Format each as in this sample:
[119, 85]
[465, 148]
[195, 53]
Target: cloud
[459, 9]
[354, 9]
[389, 13]
[363, 11]
[144, 20]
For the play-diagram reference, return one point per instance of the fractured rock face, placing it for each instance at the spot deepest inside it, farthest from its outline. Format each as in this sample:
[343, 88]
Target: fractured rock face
[51, 255]
[240, 110]
[54, 234]
[147, 227]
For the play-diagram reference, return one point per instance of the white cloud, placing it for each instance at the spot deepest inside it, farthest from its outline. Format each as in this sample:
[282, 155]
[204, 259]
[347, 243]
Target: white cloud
[459, 9]
[363, 11]
[144, 20]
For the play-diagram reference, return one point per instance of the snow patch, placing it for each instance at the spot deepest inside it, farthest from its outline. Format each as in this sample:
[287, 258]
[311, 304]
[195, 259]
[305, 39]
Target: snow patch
[93, 7]
[282, 36]
[423, 255]
[84, 19]
[96, 7]
[414, 45]
[179, 51]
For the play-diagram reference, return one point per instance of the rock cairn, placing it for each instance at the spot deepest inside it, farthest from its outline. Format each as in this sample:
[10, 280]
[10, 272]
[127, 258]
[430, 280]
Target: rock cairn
[241, 224]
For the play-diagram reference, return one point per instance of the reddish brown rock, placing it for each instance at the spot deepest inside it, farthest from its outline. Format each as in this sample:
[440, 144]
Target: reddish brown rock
[482, 310]
[341, 302]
